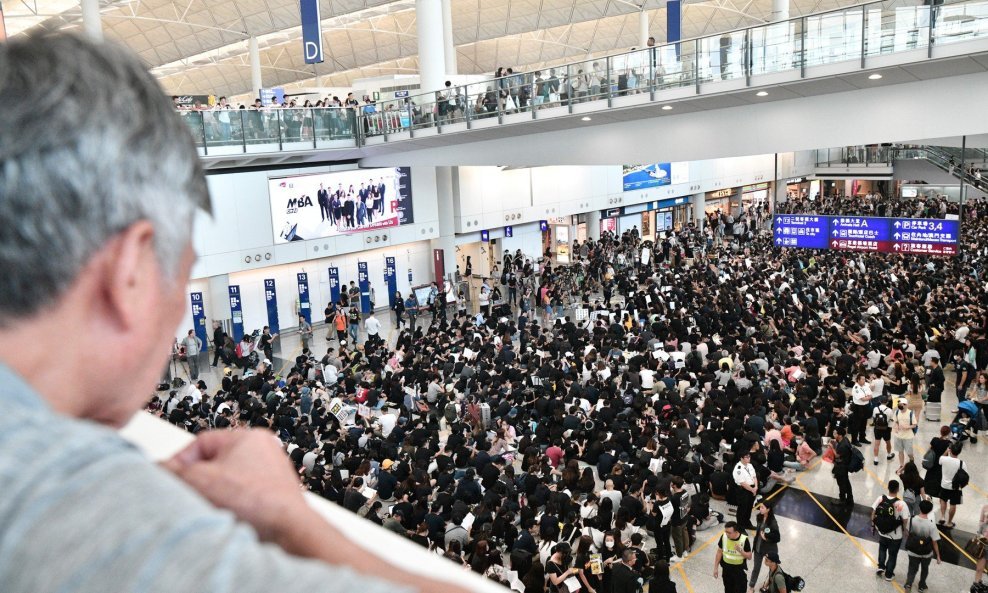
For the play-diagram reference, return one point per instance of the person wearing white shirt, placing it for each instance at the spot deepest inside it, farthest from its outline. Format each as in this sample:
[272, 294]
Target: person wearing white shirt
[882, 422]
[889, 542]
[373, 327]
[647, 379]
[387, 422]
[611, 493]
[747, 482]
[949, 465]
[860, 411]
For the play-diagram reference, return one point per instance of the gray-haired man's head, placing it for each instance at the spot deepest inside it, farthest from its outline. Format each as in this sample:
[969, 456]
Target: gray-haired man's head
[89, 145]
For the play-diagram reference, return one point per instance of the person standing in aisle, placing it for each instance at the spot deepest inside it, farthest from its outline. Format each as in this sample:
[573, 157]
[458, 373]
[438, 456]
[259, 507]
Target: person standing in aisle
[353, 318]
[219, 339]
[267, 339]
[889, 516]
[340, 323]
[767, 538]
[950, 488]
[192, 345]
[882, 423]
[399, 309]
[904, 423]
[733, 553]
[329, 313]
[842, 459]
[922, 543]
[860, 410]
[746, 482]
[412, 308]
[373, 327]
[304, 332]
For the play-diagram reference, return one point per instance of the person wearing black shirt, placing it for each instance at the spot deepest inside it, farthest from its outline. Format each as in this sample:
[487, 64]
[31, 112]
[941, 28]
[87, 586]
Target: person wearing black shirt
[842, 457]
[624, 577]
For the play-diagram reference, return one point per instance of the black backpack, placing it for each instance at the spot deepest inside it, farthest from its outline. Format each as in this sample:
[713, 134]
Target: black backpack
[881, 420]
[856, 462]
[793, 583]
[961, 478]
[885, 520]
[919, 545]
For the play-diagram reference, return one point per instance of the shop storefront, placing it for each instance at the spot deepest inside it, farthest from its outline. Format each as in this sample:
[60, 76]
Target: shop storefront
[651, 218]
[755, 196]
[581, 228]
[556, 238]
[609, 220]
[797, 187]
[723, 201]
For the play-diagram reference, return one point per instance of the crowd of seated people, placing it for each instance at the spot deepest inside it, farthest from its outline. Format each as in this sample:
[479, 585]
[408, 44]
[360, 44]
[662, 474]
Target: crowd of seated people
[538, 448]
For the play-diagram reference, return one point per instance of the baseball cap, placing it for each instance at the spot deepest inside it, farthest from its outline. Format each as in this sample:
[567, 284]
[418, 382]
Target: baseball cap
[387, 463]
[773, 557]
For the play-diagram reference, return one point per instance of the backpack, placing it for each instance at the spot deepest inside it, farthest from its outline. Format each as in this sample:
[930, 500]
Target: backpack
[881, 420]
[885, 520]
[793, 583]
[961, 478]
[856, 463]
[451, 413]
[919, 545]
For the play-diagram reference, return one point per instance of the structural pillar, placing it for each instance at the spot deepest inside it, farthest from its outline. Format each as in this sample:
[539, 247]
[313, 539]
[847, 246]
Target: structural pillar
[218, 300]
[642, 32]
[92, 22]
[780, 11]
[449, 49]
[447, 225]
[432, 60]
[699, 210]
[255, 66]
[593, 225]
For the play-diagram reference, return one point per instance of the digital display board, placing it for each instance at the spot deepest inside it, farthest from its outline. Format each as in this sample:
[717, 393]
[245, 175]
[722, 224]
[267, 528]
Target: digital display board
[319, 205]
[867, 233]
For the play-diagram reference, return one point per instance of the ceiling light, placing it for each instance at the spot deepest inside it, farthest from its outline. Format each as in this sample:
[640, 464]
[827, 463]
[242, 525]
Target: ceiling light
[875, 77]
[585, 118]
[667, 108]
[761, 94]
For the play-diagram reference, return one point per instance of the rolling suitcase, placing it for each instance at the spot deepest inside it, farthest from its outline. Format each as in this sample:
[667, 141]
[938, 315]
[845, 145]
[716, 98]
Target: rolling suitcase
[932, 411]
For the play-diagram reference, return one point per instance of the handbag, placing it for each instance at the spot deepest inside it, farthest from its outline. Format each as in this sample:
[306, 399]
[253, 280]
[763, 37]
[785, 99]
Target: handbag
[975, 547]
[509, 103]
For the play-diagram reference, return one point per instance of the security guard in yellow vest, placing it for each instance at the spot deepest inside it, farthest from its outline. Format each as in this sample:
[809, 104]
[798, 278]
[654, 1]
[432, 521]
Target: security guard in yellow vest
[733, 553]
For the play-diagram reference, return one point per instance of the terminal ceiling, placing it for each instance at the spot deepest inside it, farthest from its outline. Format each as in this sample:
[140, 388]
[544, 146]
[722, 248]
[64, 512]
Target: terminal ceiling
[200, 46]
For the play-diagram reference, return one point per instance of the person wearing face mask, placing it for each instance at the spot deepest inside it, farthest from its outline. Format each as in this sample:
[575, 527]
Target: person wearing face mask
[559, 571]
[610, 554]
[904, 425]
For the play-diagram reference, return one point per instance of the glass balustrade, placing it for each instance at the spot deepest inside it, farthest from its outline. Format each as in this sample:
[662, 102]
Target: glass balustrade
[851, 34]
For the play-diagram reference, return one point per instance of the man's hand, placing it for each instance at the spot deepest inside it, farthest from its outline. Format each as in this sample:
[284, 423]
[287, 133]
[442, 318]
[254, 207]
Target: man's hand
[244, 471]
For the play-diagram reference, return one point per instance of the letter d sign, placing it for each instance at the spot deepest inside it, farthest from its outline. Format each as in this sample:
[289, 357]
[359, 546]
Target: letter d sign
[311, 31]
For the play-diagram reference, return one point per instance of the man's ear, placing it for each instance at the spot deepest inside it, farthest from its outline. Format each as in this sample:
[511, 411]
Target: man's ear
[128, 269]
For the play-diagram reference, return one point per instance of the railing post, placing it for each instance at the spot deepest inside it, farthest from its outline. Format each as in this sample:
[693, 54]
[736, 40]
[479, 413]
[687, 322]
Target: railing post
[411, 119]
[802, 47]
[864, 33]
[607, 78]
[569, 89]
[696, 64]
[243, 130]
[384, 124]
[202, 126]
[468, 106]
[277, 116]
[437, 111]
[747, 57]
[930, 23]
[312, 118]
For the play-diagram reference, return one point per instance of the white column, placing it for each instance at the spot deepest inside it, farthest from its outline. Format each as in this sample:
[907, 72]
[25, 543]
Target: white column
[593, 225]
[642, 30]
[780, 11]
[449, 49]
[92, 20]
[447, 225]
[218, 299]
[432, 61]
[699, 207]
[255, 67]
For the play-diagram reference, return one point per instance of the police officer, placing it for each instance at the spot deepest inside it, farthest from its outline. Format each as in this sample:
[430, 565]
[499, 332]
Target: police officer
[733, 553]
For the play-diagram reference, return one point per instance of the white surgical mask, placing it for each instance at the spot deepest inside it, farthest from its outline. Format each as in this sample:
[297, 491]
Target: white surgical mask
[609, 545]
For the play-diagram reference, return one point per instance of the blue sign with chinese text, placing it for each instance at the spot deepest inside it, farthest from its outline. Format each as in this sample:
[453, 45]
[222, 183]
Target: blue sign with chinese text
[304, 308]
[807, 231]
[334, 284]
[236, 313]
[199, 317]
[391, 279]
[363, 282]
[271, 298]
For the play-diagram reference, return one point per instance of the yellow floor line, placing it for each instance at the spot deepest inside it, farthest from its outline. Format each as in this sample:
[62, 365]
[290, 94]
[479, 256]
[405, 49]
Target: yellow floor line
[854, 540]
[686, 581]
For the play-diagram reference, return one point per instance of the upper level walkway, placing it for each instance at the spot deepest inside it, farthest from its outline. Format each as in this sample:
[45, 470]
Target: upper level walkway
[857, 48]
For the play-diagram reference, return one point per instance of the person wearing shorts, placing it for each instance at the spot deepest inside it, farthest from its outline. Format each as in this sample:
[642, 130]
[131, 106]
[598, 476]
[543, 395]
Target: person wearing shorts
[949, 496]
[904, 424]
[882, 422]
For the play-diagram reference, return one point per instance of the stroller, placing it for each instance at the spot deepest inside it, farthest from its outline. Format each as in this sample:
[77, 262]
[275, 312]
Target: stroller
[966, 423]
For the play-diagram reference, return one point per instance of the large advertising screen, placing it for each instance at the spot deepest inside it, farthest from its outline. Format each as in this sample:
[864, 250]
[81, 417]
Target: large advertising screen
[323, 205]
[655, 175]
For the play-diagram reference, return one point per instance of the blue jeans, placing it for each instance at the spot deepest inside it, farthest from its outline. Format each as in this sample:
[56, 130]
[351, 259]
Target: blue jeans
[353, 329]
[888, 554]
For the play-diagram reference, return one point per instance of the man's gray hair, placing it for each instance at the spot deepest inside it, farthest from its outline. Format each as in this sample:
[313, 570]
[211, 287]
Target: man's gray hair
[89, 145]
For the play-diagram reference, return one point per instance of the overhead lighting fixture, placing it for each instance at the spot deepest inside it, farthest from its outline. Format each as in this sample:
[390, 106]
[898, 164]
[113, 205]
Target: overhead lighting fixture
[761, 94]
[875, 76]
[585, 118]
[667, 108]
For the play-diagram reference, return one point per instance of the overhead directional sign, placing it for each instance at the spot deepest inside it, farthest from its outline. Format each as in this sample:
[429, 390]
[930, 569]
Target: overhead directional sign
[803, 231]
[867, 233]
